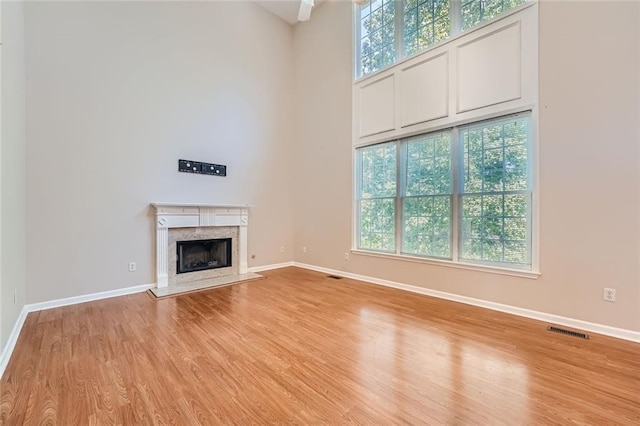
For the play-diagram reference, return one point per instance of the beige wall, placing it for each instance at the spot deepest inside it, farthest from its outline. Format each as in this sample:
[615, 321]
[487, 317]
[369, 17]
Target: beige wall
[117, 93]
[322, 97]
[589, 165]
[12, 170]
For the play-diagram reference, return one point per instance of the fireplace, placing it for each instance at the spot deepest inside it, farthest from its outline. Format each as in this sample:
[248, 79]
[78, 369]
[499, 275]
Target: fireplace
[200, 255]
[196, 222]
[211, 241]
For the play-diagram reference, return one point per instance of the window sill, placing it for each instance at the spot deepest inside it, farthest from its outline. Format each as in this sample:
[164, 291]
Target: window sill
[447, 263]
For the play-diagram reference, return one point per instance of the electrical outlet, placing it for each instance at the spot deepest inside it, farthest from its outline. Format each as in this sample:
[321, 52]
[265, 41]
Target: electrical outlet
[304, 249]
[609, 294]
[346, 255]
[282, 249]
[132, 266]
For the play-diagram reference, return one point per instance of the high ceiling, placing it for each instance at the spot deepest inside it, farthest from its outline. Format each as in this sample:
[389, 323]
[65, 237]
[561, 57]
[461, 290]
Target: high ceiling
[285, 9]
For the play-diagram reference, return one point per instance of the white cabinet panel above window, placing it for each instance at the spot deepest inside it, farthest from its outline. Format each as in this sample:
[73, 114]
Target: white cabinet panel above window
[483, 73]
[489, 69]
[377, 106]
[422, 94]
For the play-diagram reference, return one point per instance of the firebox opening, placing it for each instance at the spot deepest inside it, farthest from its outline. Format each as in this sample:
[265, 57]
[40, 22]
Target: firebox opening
[199, 255]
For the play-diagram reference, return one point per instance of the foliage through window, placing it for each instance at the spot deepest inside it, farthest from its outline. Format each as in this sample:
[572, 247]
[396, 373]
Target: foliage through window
[426, 198]
[410, 201]
[377, 34]
[476, 11]
[377, 197]
[425, 22]
[390, 30]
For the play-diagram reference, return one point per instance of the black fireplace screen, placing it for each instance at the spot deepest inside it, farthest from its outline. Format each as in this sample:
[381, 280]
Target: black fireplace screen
[198, 255]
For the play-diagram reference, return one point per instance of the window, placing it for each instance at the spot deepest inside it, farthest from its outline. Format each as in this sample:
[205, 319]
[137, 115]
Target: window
[426, 197]
[463, 195]
[377, 35]
[495, 193]
[389, 30]
[376, 202]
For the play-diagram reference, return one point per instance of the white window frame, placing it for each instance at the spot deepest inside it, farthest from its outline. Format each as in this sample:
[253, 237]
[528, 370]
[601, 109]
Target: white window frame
[456, 218]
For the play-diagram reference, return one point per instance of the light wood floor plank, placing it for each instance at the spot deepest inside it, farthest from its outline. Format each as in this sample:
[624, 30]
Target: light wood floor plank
[301, 348]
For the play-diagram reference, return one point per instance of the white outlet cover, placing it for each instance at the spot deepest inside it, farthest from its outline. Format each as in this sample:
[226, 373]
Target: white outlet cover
[609, 294]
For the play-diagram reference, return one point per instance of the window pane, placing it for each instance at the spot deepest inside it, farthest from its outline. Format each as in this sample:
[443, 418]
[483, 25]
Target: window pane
[428, 169]
[471, 13]
[476, 11]
[378, 171]
[495, 157]
[427, 226]
[377, 224]
[427, 202]
[377, 36]
[425, 22]
[377, 183]
[495, 228]
[496, 195]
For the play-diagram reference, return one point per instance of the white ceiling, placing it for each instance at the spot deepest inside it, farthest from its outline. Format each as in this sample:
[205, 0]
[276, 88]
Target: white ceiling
[285, 9]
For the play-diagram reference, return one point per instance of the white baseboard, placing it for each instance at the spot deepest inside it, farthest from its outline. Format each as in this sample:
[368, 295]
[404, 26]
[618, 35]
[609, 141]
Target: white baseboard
[5, 356]
[269, 267]
[88, 297]
[606, 330]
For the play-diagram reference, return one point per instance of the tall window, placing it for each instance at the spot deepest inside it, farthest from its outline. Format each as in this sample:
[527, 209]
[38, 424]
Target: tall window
[496, 192]
[391, 30]
[410, 201]
[426, 199]
[377, 193]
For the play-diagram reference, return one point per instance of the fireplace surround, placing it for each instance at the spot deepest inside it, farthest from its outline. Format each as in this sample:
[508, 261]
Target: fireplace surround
[188, 222]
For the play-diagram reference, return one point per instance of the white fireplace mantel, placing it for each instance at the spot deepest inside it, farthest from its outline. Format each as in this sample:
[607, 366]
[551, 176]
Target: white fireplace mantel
[179, 215]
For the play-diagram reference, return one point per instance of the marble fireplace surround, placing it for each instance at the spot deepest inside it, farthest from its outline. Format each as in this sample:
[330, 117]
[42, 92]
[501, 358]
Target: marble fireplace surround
[199, 221]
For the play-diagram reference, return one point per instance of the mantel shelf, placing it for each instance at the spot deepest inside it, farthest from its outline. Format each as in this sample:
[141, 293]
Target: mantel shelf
[221, 206]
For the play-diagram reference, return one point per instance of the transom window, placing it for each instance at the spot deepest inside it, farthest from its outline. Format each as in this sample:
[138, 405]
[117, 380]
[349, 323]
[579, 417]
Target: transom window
[463, 195]
[391, 30]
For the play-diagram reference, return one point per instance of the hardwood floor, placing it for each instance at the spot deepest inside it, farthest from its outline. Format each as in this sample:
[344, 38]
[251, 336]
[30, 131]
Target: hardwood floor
[301, 348]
